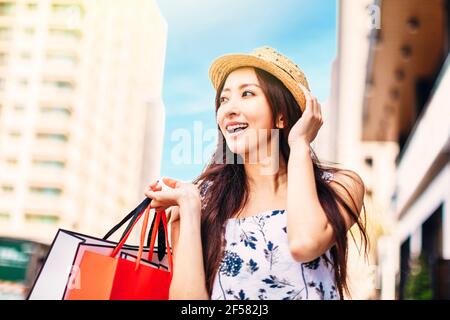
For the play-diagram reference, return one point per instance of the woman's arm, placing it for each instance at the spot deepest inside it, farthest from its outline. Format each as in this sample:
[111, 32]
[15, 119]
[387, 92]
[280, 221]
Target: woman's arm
[309, 232]
[182, 201]
[188, 280]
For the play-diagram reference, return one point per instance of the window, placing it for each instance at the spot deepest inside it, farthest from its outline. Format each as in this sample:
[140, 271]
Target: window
[41, 218]
[4, 216]
[46, 191]
[69, 9]
[3, 58]
[19, 108]
[59, 85]
[5, 33]
[63, 59]
[7, 188]
[52, 137]
[29, 31]
[23, 83]
[25, 55]
[31, 6]
[15, 134]
[6, 8]
[11, 161]
[59, 111]
[49, 164]
[64, 35]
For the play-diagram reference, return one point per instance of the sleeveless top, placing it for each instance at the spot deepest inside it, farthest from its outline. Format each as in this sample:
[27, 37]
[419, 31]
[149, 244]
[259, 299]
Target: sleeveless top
[257, 263]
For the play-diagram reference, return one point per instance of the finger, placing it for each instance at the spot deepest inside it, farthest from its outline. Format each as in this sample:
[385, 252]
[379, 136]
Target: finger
[153, 184]
[171, 182]
[156, 188]
[164, 196]
[308, 98]
[316, 108]
[319, 108]
[154, 204]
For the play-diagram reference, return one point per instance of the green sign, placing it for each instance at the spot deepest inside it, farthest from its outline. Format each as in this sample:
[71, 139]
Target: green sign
[14, 258]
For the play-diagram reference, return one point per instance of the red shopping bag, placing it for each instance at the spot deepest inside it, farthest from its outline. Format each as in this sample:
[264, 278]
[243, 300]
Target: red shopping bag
[110, 277]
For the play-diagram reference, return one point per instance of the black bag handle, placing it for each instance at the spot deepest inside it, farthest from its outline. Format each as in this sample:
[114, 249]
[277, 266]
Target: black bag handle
[133, 215]
[161, 239]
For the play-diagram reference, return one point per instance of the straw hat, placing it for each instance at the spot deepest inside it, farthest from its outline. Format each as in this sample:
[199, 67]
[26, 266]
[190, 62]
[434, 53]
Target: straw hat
[269, 60]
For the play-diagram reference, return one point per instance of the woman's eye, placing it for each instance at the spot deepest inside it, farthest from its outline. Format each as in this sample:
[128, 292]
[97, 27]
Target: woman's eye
[222, 99]
[248, 92]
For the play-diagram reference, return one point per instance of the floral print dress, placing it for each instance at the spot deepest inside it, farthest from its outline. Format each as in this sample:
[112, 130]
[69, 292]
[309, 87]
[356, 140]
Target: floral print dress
[257, 263]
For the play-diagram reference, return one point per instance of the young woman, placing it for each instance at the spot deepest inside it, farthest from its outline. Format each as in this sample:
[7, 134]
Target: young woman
[270, 224]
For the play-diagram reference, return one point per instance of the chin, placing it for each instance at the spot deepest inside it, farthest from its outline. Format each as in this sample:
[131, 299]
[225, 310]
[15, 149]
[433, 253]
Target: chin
[240, 148]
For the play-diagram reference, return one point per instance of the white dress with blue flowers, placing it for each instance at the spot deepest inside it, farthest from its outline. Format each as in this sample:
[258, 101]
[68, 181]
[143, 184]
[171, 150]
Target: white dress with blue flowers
[257, 263]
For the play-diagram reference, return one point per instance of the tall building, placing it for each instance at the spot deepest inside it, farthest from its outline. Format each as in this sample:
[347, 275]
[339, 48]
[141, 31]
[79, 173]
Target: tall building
[407, 102]
[81, 114]
[390, 117]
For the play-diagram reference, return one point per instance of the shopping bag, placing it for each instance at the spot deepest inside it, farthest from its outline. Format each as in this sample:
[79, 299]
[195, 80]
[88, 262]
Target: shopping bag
[62, 261]
[112, 277]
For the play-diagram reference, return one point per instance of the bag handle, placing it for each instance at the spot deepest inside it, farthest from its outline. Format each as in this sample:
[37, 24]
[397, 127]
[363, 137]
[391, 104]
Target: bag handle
[132, 216]
[161, 239]
[159, 216]
[122, 242]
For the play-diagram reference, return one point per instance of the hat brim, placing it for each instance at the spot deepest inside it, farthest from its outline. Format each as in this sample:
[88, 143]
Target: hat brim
[222, 66]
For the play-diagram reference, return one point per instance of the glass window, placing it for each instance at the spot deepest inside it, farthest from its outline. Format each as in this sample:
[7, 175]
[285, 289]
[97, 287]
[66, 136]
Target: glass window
[64, 35]
[66, 59]
[12, 161]
[19, 108]
[32, 6]
[7, 188]
[49, 164]
[46, 191]
[5, 33]
[52, 137]
[6, 8]
[41, 218]
[15, 134]
[55, 111]
[4, 216]
[25, 55]
[59, 85]
[3, 58]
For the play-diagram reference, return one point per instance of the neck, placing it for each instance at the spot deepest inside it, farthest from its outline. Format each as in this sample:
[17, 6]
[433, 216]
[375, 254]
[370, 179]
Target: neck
[268, 175]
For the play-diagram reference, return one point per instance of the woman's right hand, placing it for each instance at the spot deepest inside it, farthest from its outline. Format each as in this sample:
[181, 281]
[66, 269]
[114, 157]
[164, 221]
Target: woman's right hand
[179, 194]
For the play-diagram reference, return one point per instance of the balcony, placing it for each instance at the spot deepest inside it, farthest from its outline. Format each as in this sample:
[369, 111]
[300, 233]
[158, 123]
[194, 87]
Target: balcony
[429, 138]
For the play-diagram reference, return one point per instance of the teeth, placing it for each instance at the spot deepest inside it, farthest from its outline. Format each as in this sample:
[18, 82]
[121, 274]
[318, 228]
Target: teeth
[233, 127]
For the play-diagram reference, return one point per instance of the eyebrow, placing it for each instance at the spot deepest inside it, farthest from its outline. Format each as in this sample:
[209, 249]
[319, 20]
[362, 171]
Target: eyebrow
[242, 86]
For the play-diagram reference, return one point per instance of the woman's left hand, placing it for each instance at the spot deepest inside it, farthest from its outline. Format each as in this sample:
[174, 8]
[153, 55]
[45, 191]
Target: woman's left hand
[307, 127]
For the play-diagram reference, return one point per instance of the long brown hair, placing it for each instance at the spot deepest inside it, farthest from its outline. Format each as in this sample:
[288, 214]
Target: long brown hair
[228, 189]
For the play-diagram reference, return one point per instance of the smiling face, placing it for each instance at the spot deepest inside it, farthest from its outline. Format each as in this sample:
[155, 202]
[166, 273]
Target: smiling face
[244, 112]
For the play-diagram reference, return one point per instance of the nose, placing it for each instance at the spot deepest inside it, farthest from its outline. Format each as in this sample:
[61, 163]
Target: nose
[230, 108]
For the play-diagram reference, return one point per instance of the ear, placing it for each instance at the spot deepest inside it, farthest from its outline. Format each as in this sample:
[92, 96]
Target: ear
[280, 122]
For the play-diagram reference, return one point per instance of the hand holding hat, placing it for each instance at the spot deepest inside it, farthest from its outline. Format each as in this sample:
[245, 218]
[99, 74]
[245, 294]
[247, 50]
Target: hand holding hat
[306, 128]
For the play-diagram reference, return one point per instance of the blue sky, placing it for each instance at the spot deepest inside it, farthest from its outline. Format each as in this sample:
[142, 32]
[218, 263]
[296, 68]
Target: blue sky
[200, 30]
